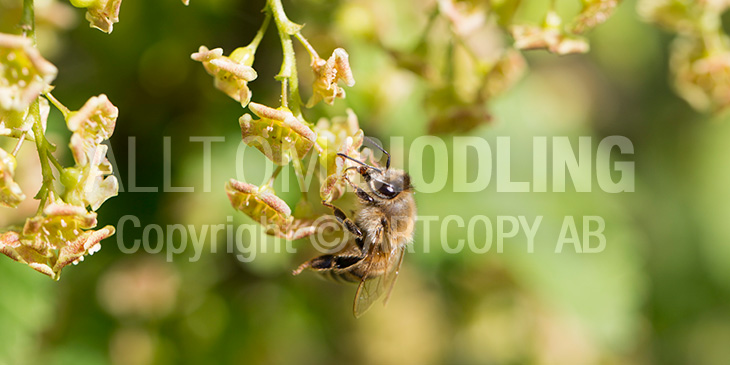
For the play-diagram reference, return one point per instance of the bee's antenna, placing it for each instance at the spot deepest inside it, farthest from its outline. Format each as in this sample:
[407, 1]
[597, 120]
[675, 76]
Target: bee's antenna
[360, 162]
[387, 163]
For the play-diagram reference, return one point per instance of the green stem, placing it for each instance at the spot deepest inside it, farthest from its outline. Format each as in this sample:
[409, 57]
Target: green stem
[260, 34]
[64, 110]
[17, 145]
[288, 73]
[312, 52]
[55, 162]
[270, 183]
[299, 171]
[43, 153]
[27, 22]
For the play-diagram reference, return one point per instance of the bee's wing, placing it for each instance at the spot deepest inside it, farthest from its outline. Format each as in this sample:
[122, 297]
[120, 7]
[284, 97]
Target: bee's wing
[370, 290]
[393, 274]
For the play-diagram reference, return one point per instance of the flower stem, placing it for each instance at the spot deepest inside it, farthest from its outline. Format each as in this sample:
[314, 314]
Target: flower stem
[17, 145]
[43, 153]
[270, 183]
[299, 172]
[64, 110]
[312, 52]
[55, 162]
[27, 20]
[288, 72]
[27, 24]
[260, 34]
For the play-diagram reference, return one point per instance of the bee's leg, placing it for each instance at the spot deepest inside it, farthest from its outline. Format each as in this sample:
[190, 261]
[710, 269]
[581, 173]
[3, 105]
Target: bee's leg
[328, 262]
[361, 194]
[342, 218]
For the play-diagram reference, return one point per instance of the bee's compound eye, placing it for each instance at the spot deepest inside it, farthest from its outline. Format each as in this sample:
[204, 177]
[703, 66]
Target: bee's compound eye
[386, 190]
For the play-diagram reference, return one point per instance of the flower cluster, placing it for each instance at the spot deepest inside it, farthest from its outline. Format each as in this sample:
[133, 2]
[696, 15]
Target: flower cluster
[62, 231]
[557, 38]
[283, 134]
[62, 235]
[468, 52]
[700, 58]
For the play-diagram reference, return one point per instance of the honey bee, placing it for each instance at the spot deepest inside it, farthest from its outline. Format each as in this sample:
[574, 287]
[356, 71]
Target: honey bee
[384, 224]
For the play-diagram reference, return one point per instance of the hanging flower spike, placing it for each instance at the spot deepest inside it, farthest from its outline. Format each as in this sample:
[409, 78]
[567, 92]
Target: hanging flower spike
[701, 76]
[327, 74]
[232, 74]
[550, 36]
[24, 73]
[278, 134]
[50, 242]
[594, 13]
[101, 14]
[91, 125]
[672, 15]
[10, 193]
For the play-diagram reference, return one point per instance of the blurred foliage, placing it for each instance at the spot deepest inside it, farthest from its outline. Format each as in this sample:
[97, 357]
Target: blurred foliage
[657, 294]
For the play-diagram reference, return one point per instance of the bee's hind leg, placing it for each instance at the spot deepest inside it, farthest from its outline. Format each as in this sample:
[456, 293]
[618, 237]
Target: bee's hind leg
[328, 262]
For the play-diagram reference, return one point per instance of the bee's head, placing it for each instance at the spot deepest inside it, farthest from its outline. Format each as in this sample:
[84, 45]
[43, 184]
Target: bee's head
[388, 184]
[385, 184]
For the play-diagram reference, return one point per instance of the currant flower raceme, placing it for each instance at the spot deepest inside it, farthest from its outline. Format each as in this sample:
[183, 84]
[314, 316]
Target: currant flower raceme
[10, 193]
[59, 237]
[594, 13]
[700, 54]
[327, 74]
[24, 73]
[549, 36]
[701, 77]
[232, 73]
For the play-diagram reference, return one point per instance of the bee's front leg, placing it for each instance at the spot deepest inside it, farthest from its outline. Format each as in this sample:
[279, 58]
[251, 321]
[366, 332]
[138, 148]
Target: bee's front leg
[361, 194]
[342, 218]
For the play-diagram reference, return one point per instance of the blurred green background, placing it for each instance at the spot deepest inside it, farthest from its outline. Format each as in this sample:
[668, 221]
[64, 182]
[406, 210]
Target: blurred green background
[657, 294]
